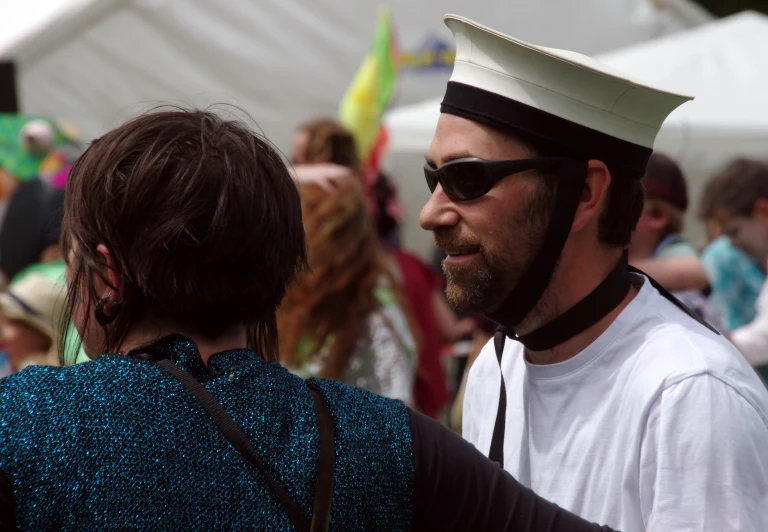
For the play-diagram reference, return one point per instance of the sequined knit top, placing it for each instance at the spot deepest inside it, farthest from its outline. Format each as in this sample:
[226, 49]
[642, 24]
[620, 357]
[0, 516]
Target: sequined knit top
[118, 443]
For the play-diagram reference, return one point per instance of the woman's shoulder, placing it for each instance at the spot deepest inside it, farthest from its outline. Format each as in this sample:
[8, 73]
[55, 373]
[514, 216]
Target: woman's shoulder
[41, 384]
[361, 414]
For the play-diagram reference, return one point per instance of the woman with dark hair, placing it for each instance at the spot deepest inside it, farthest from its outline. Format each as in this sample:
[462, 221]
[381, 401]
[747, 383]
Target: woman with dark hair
[182, 231]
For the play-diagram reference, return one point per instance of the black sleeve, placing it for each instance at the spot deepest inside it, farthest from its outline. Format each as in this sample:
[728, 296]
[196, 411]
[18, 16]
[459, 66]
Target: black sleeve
[7, 506]
[457, 488]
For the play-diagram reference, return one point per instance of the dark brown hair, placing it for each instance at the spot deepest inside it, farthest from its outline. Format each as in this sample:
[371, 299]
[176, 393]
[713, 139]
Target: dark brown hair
[202, 221]
[623, 204]
[735, 189]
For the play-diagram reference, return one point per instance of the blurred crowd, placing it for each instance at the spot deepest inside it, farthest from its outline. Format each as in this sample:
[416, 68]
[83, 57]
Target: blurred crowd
[367, 311]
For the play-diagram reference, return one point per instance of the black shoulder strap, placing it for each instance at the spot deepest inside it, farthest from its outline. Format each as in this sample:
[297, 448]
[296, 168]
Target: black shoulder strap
[240, 441]
[496, 454]
[666, 294]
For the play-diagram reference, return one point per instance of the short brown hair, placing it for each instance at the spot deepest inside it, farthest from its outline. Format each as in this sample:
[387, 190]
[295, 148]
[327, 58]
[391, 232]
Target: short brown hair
[202, 221]
[623, 204]
[735, 189]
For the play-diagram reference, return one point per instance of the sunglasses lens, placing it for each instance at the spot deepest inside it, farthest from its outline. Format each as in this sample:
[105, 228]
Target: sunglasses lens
[464, 181]
[431, 175]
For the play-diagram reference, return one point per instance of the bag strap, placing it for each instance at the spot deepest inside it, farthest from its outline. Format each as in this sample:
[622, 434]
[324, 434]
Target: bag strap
[240, 441]
[321, 516]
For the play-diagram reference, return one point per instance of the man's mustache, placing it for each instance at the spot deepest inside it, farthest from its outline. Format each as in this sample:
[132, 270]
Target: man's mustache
[453, 244]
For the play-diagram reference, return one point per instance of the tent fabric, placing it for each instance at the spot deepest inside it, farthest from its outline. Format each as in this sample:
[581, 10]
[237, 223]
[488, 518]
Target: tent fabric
[97, 62]
[722, 63]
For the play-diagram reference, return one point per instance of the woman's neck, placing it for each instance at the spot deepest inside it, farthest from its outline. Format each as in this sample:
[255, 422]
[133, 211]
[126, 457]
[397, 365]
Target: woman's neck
[234, 338]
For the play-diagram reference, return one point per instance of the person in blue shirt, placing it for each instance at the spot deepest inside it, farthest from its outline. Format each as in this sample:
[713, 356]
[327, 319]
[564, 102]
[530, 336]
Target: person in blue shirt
[735, 258]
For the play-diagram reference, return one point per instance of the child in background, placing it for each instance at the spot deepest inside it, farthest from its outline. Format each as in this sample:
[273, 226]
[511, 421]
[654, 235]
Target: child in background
[737, 277]
[658, 234]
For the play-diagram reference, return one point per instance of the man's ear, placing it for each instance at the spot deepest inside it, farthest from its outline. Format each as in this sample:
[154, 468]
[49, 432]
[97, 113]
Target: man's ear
[594, 194]
[111, 274]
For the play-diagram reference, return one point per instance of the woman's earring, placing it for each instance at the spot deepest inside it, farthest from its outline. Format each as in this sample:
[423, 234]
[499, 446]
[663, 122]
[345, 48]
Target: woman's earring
[106, 310]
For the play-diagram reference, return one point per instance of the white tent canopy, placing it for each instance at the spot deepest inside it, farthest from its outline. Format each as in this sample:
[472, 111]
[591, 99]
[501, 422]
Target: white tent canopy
[723, 63]
[96, 62]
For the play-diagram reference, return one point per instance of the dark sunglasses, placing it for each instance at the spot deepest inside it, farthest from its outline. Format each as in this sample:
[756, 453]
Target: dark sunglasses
[469, 178]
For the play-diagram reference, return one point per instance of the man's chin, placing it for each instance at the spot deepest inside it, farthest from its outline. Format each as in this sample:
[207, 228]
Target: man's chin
[472, 300]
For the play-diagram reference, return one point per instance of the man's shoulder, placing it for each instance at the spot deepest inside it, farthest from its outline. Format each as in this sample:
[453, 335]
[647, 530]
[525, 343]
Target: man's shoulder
[667, 347]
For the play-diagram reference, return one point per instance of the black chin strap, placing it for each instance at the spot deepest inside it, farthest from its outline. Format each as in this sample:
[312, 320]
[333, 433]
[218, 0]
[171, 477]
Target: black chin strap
[533, 283]
[584, 314]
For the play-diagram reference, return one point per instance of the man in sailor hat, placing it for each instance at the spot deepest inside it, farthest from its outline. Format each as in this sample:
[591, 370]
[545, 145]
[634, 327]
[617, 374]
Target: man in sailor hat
[600, 391]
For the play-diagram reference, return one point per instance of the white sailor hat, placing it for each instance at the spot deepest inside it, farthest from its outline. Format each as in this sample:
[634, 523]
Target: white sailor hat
[563, 100]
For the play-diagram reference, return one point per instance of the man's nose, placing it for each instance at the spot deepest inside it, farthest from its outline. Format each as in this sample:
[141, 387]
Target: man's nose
[439, 211]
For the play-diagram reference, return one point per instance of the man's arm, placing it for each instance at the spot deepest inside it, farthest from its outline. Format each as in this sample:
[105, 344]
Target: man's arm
[703, 460]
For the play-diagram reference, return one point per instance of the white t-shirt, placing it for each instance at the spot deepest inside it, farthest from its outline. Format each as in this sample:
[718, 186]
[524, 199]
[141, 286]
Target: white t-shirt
[660, 425]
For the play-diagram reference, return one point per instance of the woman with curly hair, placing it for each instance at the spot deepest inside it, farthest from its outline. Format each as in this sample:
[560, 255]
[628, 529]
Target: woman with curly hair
[343, 319]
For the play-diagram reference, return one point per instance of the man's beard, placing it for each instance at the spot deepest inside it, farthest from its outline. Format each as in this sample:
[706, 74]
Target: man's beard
[503, 257]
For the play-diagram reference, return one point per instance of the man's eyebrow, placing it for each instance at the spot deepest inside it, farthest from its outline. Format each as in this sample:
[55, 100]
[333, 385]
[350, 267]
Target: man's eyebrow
[452, 156]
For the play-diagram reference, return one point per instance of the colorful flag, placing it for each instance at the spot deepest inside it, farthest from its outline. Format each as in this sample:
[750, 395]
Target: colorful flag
[370, 93]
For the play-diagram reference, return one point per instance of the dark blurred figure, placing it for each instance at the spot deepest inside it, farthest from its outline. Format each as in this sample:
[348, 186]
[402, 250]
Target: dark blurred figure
[30, 232]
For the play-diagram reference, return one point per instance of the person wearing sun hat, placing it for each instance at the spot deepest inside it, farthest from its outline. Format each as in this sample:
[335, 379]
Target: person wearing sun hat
[31, 311]
[600, 391]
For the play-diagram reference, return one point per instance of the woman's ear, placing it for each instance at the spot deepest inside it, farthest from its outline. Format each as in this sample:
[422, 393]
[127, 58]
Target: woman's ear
[112, 278]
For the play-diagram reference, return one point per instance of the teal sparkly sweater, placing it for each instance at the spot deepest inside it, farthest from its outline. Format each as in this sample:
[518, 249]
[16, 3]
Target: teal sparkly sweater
[118, 443]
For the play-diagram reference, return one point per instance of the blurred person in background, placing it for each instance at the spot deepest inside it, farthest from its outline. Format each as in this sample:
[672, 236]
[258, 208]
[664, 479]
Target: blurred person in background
[185, 420]
[327, 142]
[436, 320]
[344, 319]
[658, 234]
[735, 203]
[731, 206]
[30, 232]
[32, 309]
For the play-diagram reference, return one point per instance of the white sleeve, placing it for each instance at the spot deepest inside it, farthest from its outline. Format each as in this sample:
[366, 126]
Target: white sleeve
[474, 415]
[704, 461]
[752, 339]
[469, 425]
